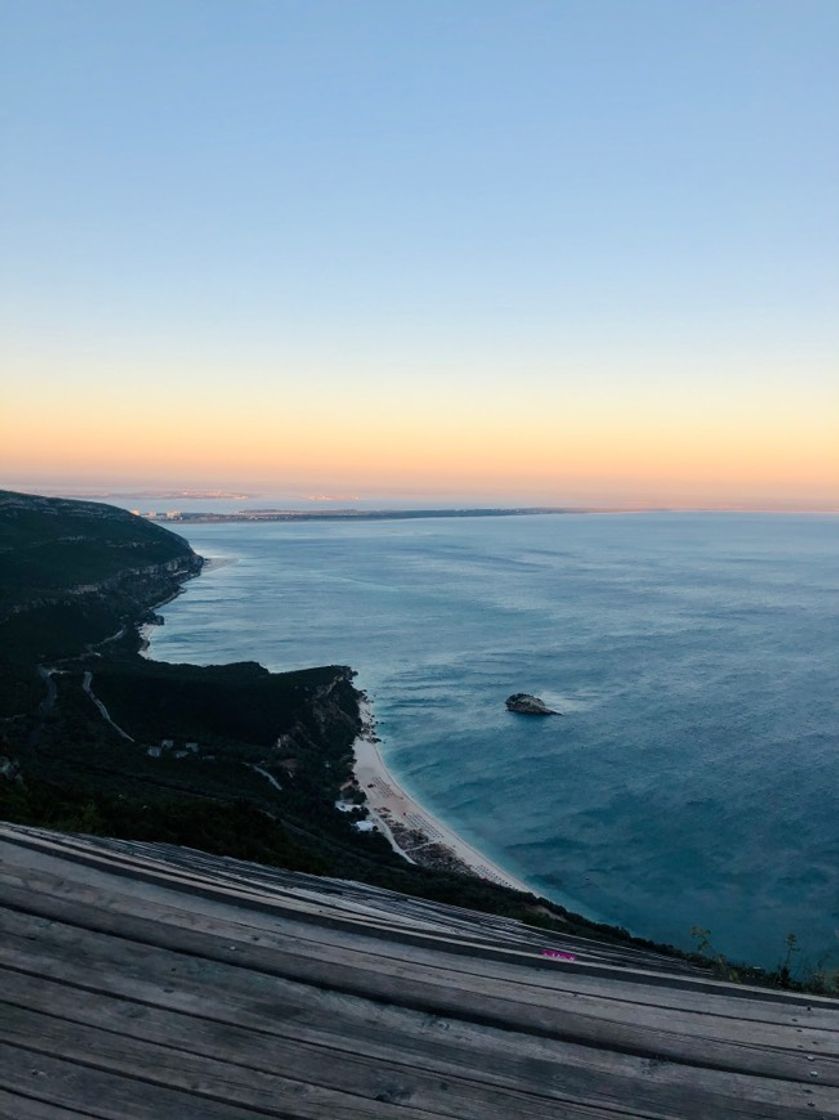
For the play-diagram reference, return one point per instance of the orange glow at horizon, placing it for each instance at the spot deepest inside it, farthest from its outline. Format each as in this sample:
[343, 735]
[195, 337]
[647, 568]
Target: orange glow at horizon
[659, 452]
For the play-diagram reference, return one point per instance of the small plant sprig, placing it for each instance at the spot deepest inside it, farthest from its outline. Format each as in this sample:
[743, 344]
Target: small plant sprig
[705, 948]
[784, 972]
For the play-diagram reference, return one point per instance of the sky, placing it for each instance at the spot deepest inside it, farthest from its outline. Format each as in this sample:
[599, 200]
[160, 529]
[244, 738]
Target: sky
[548, 252]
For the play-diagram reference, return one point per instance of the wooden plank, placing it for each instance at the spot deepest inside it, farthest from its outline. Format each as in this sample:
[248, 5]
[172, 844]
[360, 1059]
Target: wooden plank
[269, 1094]
[357, 918]
[13, 1106]
[496, 927]
[206, 988]
[434, 1015]
[493, 1002]
[295, 884]
[187, 858]
[474, 951]
[315, 911]
[471, 944]
[106, 1095]
[696, 1083]
[806, 1037]
[502, 1011]
[547, 976]
[321, 939]
[466, 1098]
[563, 1073]
[181, 872]
[199, 986]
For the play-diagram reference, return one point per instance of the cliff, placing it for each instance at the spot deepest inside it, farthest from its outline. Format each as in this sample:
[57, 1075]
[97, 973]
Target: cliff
[73, 573]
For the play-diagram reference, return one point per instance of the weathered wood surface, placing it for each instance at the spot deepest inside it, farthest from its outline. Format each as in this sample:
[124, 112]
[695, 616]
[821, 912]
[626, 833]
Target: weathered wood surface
[140, 981]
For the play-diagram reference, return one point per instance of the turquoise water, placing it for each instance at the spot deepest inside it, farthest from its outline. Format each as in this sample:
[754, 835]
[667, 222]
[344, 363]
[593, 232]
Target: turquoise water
[694, 776]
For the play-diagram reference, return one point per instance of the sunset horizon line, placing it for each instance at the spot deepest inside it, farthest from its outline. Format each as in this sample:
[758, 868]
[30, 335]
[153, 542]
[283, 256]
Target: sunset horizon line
[411, 498]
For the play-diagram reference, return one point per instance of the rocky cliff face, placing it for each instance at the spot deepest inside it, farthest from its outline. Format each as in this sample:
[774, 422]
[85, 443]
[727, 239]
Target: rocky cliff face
[140, 588]
[321, 735]
[73, 573]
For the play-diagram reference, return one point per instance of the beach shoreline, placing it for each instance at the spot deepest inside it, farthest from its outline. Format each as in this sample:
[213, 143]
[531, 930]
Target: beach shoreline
[411, 830]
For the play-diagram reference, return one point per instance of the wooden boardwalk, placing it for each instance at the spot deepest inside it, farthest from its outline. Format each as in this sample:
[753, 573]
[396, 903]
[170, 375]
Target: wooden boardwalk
[145, 982]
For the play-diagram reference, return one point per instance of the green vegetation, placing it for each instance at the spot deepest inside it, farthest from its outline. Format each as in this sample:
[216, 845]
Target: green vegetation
[51, 547]
[222, 829]
[73, 574]
[808, 979]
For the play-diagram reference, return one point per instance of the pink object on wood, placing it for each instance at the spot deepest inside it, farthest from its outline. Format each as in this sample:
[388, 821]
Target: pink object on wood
[558, 955]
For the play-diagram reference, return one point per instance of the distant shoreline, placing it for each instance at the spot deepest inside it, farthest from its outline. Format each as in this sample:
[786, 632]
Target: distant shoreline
[197, 517]
[259, 516]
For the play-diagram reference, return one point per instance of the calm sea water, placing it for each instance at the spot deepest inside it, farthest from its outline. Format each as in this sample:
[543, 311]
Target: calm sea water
[694, 776]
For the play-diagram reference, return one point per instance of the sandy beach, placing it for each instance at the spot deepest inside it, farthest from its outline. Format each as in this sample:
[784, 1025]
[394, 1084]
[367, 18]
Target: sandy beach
[411, 830]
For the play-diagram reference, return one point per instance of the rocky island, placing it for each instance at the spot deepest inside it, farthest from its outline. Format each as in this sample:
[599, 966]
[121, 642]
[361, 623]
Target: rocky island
[526, 705]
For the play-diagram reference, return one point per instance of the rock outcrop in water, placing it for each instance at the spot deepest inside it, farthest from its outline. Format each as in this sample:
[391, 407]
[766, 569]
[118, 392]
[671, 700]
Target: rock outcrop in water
[527, 705]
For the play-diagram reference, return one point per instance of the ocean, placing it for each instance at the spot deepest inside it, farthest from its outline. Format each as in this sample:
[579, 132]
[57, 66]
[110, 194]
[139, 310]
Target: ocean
[693, 777]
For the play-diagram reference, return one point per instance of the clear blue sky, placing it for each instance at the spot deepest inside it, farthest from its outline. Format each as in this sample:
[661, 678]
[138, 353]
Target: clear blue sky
[597, 204]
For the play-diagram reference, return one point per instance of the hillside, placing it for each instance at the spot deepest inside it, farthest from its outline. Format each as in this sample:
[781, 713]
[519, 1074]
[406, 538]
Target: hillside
[54, 549]
[73, 574]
